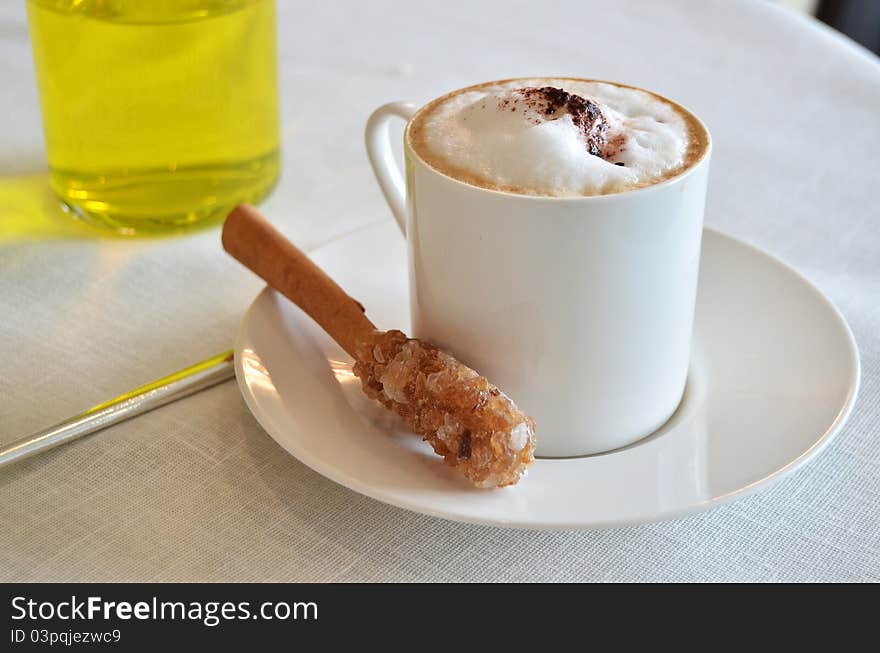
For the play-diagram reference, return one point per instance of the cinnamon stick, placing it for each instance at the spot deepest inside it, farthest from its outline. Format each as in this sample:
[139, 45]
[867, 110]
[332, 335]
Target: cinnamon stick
[261, 248]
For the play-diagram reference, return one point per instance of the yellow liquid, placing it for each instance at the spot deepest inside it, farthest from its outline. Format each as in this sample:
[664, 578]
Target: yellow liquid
[158, 114]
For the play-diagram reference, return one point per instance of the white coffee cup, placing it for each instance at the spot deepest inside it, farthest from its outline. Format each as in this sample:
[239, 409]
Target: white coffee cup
[580, 309]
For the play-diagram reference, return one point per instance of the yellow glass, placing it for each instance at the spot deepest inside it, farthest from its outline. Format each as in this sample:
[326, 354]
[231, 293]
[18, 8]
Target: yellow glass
[158, 114]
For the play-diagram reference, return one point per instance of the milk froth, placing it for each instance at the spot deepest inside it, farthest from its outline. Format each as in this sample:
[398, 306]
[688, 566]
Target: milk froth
[557, 137]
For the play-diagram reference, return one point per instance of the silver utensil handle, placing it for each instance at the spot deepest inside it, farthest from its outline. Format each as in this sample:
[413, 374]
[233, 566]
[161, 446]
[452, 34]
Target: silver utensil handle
[140, 400]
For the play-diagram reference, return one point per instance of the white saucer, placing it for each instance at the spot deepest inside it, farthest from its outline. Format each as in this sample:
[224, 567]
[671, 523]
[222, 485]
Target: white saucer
[774, 375]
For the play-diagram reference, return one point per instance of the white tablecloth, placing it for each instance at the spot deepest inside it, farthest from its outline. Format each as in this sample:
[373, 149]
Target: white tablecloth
[197, 491]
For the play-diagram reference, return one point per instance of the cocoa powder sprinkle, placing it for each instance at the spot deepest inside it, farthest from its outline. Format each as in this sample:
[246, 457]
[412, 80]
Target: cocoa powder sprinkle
[585, 114]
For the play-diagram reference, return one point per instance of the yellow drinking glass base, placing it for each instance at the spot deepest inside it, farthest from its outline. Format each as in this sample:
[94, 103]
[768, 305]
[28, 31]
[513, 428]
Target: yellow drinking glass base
[155, 202]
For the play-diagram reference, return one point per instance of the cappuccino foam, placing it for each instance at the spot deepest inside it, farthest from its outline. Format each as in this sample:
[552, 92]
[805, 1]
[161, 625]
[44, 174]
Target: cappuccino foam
[557, 137]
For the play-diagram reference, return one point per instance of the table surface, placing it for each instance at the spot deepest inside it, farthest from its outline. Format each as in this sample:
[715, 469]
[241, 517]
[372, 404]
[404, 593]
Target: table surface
[197, 491]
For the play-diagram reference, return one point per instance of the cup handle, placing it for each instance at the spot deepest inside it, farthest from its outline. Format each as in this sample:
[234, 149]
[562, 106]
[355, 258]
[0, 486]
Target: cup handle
[378, 142]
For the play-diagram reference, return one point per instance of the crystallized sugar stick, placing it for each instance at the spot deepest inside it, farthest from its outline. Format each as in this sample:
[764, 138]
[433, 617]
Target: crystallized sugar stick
[475, 427]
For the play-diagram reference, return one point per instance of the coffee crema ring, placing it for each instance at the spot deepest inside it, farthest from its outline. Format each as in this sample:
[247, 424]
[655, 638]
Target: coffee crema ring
[561, 137]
